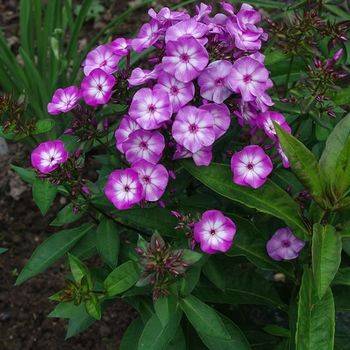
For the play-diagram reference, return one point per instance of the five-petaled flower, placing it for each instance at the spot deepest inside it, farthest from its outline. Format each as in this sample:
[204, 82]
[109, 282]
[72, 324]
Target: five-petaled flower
[48, 156]
[214, 232]
[251, 166]
[283, 245]
[123, 188]
[64, 100]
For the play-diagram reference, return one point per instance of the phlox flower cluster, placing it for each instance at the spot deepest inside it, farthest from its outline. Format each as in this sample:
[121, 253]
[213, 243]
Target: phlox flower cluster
[206, 69]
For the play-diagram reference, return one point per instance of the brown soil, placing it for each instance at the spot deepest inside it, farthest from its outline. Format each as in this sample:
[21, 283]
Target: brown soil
[24, 309]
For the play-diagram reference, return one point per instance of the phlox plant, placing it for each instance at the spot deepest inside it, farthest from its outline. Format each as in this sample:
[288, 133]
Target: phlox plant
[184, 179]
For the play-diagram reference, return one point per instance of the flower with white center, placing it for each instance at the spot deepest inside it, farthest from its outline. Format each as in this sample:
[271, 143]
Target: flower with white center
[251, 166]
[97, 87]
[64, 100]
[213, 81]
[154, 179]
[179, 93]
[123, 188]
[150, 108]
[185, 59]
[48, 156]
[193, 128]
[214, 232]
[142, 144]
[102, 57]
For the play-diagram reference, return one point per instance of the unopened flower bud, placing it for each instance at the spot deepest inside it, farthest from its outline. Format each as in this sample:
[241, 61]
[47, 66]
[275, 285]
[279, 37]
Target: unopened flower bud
[338, 55]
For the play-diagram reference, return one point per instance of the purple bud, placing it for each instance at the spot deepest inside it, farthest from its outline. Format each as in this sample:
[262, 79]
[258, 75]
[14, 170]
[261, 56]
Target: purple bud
[78, 153]
[172, 174]
[283, 245]
[68, 132]
[337, 56]
[85, 189]
[317, 62]
[105, 124]
[176, 214]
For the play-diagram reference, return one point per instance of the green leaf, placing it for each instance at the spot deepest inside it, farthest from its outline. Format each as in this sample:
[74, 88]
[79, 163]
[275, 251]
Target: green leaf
[214, 273]
[191, 257]
[249, 243]
[86, 247]
[64, 310]
[67, 216]
[334, 161]
[3, 250]
[203, 318]
[165, 307]
[215, 332]
[342, 277]
[342, 96]
[93, 307]
[80, 321]
[269, 199]
[326, 256]
[316, 319]
[44, 125]
[107, 242]
[132, 335]
[44, 193]
[27, 175]
[78, 268]
[237, 339]
[51, 250]
[122, 278]
[242, 287]
[157, 337]
[303, 163]
[277, 331]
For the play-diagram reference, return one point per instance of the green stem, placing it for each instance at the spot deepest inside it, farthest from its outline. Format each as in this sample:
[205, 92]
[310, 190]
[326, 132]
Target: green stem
[288, 75]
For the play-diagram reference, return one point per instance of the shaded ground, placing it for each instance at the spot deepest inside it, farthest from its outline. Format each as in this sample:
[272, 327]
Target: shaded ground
[23, 310]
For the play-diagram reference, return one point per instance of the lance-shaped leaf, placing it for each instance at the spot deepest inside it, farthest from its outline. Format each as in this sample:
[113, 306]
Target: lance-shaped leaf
[316, 319]
[214, 332]
[303, 163]
[122, 278]
[326, 256]
[107, 242]
[44, 193]
[335, 159]
[156, 336]
[269, 199]
[51, 250]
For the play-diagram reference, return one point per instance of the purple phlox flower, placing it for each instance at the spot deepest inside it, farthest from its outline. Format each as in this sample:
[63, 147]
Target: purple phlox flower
[102, 57]
[64, 100]
[266, 120]
[242, 27]
[154, 179]
[142, 144]
[221, 115]
[203, 157]
[147, 36]
[227, 7]
[249, 78]
[123, 188]
[247, 114]
[203, 11]
[166, 17]
[284, 158]
[125, 128]
[185, 59]
[187, 28]
[251, 166]
[119, 46]
[150, 108]
[193, 128]
[179, 93]
[97, 87]
[213, 81]
[141, 76]
[214, 232]
[263, 102]
[258, 56]
[283, 245]
[48, 156]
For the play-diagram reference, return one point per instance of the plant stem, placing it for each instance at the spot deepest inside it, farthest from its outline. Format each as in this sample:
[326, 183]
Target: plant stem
[288, 74]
